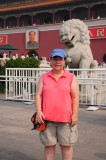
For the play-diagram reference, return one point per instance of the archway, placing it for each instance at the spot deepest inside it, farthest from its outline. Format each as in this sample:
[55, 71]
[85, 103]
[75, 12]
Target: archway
[99, 10]
[1, 23]
[80, 13]
[25, 20]
[11, 21]
[62, 15]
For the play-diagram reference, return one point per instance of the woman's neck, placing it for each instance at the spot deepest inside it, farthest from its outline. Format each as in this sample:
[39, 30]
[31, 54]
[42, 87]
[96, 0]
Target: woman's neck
[59, 72]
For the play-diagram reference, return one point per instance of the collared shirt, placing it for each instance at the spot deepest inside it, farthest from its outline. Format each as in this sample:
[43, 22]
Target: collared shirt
[57, 101]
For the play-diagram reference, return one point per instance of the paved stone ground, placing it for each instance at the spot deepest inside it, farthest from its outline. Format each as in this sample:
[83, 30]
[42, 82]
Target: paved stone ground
[2, 96]
[19, 142]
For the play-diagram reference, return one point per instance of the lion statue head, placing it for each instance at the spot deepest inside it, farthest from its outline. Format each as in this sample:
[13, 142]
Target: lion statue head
[73, 31]
[75, 35]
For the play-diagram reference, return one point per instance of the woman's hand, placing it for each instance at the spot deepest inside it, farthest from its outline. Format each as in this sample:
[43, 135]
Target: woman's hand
[40, 117]
[74, 119]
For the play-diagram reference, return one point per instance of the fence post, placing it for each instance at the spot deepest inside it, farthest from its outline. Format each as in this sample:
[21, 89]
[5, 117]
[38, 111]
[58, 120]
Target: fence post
[6, 82]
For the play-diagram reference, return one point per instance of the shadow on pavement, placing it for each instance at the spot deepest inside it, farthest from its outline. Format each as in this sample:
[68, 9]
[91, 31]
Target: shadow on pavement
[13, 155]
[102, 156]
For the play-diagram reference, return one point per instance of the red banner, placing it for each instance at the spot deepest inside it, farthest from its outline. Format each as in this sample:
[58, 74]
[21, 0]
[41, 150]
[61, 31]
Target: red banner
[3, 39]
[97, 33]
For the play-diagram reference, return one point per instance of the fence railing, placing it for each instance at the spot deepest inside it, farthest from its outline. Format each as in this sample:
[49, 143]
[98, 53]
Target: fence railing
[21, 84]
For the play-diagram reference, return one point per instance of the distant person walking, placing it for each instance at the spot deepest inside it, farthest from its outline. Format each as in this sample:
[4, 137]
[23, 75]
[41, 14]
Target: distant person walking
[10, 54]
[104, 58]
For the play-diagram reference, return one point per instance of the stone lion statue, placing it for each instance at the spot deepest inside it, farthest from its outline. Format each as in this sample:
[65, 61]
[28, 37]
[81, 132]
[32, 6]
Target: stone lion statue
[75, 35]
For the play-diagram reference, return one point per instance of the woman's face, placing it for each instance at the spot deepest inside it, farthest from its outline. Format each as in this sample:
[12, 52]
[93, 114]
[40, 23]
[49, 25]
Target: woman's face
[57, 63]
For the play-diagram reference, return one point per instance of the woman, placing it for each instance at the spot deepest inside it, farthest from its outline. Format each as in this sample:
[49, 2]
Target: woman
[57, 102]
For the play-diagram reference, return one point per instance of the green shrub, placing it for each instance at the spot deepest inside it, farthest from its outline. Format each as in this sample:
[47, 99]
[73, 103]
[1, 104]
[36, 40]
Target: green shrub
[2, 86]
[2, 70]
[29, 62]
[2, 82]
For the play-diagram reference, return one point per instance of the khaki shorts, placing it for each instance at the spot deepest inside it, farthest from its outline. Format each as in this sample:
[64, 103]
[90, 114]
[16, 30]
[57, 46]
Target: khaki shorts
[57, 132]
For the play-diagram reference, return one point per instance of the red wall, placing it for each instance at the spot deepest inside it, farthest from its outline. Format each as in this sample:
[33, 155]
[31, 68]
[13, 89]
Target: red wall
[98, 47]
[49, 40]
[18, 41]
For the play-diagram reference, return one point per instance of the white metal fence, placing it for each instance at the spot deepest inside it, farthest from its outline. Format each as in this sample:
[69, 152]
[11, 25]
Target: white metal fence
[21, 84]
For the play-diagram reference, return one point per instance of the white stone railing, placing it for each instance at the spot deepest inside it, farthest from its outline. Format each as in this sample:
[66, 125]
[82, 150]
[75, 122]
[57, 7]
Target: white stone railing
[21, 84]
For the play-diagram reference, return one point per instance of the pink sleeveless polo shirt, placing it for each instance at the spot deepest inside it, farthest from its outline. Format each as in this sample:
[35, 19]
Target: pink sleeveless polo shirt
[57, 101]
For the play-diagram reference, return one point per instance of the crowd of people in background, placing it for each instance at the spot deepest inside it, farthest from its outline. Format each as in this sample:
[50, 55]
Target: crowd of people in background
[15, 55]
[43, 61]
[32, 54]
[103, 63]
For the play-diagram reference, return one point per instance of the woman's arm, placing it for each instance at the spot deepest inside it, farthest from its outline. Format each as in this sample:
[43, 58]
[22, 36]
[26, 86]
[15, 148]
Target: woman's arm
[75, 100]
[38, 101]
